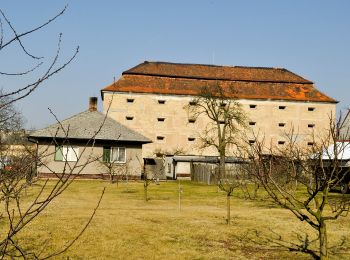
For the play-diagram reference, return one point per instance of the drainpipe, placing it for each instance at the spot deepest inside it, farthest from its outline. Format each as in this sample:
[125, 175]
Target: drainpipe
[174, 167]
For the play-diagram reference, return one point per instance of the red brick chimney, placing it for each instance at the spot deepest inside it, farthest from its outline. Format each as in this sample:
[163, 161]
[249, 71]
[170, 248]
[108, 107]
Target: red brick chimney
[93, 104]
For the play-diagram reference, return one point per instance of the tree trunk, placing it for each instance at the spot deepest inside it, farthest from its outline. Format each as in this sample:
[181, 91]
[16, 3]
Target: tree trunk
[179, 190]
[111, 178]
[228, 208]
[145, 191]
[323, 241]
[222, 173]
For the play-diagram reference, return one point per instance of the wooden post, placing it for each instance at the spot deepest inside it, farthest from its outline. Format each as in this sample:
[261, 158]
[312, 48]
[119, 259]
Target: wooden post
[179, 189]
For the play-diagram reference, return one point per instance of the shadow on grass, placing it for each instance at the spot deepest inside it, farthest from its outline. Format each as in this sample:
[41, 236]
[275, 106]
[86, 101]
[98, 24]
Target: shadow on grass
[129, 191]
[302, 243]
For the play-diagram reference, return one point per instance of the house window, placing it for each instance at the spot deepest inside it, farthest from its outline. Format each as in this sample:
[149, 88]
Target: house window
[58, 153]
[191, 139]
[223, 105]
[193, 103]
[281, 124]
[191, 120]
[252, 123]
[169, 167]
[311, 125]
[130, 100]
[129, 117]
[66, 153]
[221, 122]
[160, 138]
[251, 141]
[161, 119]
[281, 142]
[161, 101]
[282, 107]
[114, 154]
[310, 109]
[310, 143]
[252, 106]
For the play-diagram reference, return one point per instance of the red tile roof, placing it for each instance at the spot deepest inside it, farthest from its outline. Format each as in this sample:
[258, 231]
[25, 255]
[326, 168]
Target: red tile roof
[238, 82]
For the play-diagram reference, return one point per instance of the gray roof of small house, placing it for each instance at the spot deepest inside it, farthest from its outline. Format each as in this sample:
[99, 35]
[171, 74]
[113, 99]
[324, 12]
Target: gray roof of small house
[86, 124]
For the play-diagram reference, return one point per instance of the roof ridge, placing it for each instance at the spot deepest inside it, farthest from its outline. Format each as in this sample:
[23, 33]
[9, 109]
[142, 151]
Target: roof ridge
[209, 65]
[61, 121]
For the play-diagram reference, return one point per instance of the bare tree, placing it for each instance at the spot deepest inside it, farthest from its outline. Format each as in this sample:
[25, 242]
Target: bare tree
[313, 169]
[18, 210]
[116, 171]
[52, 67]
[226, 120]
[10, 131]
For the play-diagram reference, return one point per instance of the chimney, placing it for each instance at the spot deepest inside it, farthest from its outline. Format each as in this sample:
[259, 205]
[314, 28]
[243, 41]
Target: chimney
[93, 104]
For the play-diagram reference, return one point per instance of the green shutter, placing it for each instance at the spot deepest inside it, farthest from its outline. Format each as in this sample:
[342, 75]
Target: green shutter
[106, 154]
[58, 153]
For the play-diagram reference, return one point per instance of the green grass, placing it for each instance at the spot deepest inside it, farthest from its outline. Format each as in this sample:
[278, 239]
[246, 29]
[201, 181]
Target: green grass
[127, 227]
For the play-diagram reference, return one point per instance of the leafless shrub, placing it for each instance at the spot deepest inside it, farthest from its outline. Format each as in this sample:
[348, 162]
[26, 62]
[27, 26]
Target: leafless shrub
[300, 178]
[17, 209]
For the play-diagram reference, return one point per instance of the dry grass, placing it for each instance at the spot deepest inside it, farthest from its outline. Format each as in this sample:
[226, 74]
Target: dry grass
[126, 227]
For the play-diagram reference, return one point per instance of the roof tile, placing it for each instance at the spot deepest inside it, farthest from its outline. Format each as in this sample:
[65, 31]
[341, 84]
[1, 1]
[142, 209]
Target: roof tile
[201, 71]
[239, 82]
[233, 89]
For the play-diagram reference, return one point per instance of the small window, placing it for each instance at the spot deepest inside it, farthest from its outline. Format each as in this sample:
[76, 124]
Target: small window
[129, 118]
[169, 167]
[311, 125]
[58, 153]
[251, 141]
[160, 138]
[66, 153]
[161, 119]
[223, 104]
[130, 100]
[281, 142]
[114, 154]
[221, 122]
[310, 143]
[252, 123]
[252, 106]
[310, 109]
[193, 103]
[191, 139]
[191, 120]
[282, 107]
[161, 101]
[281, 124]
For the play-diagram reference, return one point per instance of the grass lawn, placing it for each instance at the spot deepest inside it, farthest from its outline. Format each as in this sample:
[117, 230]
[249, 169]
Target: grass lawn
[127, 227]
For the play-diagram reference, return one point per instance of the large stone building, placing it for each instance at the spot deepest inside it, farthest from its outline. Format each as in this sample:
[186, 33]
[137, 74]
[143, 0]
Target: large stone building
[150, 99]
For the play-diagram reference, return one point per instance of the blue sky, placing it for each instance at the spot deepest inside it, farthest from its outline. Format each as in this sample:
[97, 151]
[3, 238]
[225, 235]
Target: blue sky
[310, 38]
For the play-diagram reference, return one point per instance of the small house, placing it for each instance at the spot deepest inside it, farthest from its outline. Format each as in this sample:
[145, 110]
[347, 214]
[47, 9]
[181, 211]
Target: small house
[85, 144]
